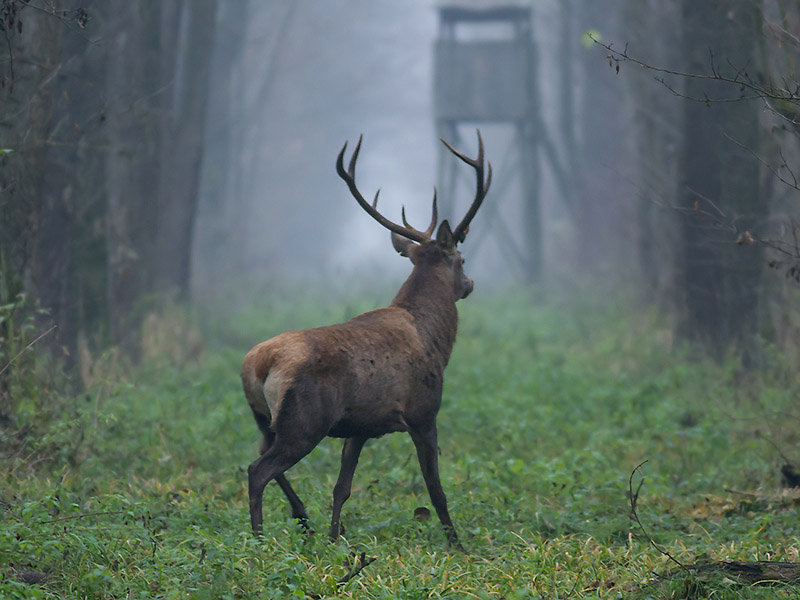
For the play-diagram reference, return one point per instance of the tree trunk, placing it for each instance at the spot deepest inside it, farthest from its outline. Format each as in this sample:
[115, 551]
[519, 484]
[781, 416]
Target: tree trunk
[602, 133]
[135, 100]
[719, 174]
[26, 111]
[183, 145]
[219, 200]
[70, 255]
[656, 119]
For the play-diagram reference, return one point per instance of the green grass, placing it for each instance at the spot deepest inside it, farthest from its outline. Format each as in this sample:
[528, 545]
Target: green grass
[138, 490]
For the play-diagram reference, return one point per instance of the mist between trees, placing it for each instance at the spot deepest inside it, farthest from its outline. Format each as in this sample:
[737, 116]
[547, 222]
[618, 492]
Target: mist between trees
[182, 150]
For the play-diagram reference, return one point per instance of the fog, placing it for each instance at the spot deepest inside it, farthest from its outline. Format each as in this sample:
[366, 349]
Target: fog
[186, 150]
[311, 77]
[169, 199]
[314, 77]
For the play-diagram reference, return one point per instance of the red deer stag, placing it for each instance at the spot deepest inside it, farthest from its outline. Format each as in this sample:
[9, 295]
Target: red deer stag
[377, 373]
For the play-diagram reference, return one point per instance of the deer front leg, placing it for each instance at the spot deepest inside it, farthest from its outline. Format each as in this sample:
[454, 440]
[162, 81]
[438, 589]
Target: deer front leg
[341, 491]
[425, 442]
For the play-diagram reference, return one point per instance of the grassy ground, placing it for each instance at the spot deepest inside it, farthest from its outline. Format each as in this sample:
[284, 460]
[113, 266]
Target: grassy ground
[139, 491]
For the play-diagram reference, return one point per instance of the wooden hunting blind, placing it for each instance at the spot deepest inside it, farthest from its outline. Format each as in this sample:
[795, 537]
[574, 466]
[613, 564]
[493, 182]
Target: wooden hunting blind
[480, 79]
[485, 72]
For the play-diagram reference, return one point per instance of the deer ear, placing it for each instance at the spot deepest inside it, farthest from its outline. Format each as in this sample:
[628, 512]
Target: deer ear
[404, 246]
[445, 235]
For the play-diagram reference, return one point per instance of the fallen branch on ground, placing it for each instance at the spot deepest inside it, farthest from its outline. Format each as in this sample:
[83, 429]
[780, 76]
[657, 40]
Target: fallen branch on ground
[744, 571]
[750, 572]
[361, 562]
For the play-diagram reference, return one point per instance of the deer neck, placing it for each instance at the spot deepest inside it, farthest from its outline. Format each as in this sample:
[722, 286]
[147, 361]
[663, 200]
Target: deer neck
[427, 295]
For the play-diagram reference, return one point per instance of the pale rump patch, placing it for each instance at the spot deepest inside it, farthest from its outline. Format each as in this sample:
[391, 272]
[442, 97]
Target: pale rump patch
[268, 369]
[273, 393]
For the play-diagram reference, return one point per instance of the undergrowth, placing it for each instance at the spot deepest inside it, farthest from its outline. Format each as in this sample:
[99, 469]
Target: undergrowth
[138, 489]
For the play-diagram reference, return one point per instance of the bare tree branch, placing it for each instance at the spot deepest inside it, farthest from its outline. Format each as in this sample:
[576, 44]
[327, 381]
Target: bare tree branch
[740, 79]
[634, 498]
[21, 352]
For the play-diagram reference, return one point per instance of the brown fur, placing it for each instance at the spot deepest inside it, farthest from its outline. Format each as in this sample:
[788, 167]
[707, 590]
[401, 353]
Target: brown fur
[377, 373]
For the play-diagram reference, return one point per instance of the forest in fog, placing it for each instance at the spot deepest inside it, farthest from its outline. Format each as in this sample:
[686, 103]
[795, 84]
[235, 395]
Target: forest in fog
[185, 149]
[169, 197]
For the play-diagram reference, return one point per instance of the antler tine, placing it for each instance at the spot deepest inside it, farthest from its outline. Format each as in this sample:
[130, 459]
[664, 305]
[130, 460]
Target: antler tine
[482, 188]
[472, 162]
[349, 178]
[434, 218]
[351, 168]
[403, 215]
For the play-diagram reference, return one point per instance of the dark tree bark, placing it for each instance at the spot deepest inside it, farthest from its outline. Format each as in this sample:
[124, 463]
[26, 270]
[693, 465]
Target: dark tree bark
[601, 132]
[182, 147]
[159, 70]
[132, 162]
[69, 249]
[720, 280]
[26, 111]
[102, 141]
[220, 199]
[656, 119]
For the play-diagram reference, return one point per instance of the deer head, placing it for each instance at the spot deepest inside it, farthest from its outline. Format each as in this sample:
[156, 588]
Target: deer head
[419, 246]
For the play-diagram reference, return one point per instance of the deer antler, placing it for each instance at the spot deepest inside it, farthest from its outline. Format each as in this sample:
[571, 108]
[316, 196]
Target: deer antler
[434, 217]
[405, 230]
[460, 232]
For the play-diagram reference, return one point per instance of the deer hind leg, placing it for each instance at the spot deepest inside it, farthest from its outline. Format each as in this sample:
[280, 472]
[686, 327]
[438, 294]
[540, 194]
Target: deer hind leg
[297, 506]
[300, 425]
[427, 452]
[341, 492]
[284, 453]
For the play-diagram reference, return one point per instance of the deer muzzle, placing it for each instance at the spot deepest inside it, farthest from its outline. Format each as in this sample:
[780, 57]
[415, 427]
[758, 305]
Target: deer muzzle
[468, 285]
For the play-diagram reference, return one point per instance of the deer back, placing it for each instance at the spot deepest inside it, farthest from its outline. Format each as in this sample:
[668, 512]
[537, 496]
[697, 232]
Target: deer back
[370, 375]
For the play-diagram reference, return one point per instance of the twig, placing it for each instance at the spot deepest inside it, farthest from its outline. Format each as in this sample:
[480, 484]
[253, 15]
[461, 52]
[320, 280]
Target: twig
[782, 34]
[789, 253]
[578, 578]
[30, 465]
[743, 493]
[793, 183]
[83, 516]
[359, 566]
[758, 90]
[634, 499]
[16, 454]
[80, 17]
[772, 443]
[10, 60]
[21, 352]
